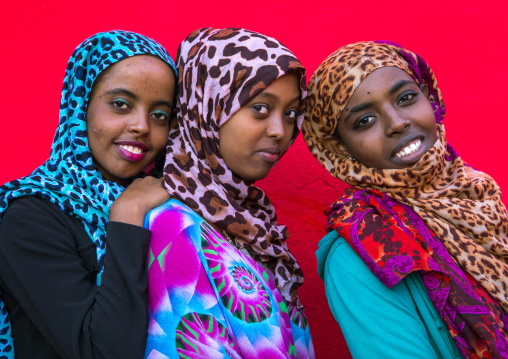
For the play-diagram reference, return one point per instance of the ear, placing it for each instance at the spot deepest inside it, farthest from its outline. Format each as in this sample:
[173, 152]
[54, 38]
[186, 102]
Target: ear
[334, 144]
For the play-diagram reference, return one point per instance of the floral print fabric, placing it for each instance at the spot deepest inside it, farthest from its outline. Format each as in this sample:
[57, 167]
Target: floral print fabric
[208, 299]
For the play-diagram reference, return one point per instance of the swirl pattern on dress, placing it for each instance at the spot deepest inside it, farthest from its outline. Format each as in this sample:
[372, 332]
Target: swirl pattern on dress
[238, 287]
[201, 336]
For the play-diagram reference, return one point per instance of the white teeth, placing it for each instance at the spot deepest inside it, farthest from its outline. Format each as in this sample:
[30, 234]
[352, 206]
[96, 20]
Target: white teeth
[132, 149]
[409, 149]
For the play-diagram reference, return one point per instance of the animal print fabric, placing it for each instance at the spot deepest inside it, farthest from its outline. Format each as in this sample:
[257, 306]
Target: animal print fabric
[69, 178]
[461, 205]
[220, 71]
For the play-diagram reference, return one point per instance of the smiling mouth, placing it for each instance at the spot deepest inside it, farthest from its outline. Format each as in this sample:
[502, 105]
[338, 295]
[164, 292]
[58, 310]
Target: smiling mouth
[132, 149]
[411, 148]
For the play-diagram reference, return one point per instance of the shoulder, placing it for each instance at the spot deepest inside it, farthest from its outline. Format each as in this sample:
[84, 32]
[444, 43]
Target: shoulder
[32, 207]
[29, 203]
[348, 278]
[173, 218]
[335, 256]
[32, 222]
[172, 210]
[345, 270]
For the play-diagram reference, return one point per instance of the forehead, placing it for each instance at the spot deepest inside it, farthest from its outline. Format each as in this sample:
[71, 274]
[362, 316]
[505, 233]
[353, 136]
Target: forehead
[380, 82]
[139, 65]
[285, 87]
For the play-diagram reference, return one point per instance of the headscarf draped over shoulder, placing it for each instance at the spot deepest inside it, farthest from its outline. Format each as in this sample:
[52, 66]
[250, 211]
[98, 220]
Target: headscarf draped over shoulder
[221, 70]
[461, 205]
[69, 179]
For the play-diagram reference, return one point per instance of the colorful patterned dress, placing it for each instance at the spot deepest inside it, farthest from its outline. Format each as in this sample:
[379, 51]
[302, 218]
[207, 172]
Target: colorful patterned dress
[207, 299]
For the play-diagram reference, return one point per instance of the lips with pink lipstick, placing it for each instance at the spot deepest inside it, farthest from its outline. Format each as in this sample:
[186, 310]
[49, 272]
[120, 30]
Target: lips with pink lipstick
[410, 150]
[271, 154]
[131, 150]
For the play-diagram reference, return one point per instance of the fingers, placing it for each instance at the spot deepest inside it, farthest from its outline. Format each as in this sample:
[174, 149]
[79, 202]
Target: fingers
[143, 195]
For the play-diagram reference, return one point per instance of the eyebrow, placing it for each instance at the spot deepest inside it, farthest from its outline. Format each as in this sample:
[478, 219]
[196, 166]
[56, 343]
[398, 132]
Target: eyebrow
[122, 91]
[358, 108]
[275, 97]
[163, 103]
[400, 84]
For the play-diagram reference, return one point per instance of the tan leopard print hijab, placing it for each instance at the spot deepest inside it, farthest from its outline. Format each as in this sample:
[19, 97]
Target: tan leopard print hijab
[220, 71]
[460, 204]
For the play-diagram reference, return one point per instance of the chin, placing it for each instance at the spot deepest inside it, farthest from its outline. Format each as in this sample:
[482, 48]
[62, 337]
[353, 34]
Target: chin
[256, 176]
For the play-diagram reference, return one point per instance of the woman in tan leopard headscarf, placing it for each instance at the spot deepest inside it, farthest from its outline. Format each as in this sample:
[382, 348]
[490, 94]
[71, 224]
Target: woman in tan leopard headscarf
[426, 224]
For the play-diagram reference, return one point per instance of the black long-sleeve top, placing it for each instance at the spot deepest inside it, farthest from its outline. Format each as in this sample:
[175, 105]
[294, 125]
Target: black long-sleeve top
[48, 281]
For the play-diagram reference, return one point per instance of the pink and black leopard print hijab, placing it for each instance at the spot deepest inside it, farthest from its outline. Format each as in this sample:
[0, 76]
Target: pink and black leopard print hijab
[222, 70]
[461, 205]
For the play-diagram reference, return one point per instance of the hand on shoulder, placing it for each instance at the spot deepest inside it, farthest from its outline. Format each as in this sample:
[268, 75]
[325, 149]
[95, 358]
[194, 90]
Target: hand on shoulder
[142, 195]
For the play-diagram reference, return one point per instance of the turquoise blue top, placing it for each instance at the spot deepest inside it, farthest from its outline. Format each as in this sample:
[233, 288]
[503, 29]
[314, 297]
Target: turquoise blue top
[378, 321]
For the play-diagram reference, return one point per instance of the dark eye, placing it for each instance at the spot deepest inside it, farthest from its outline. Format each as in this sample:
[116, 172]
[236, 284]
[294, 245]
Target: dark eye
[161, 115]
[262, 109]
[292, 114]
[406, 97]
[121, 104]
[363, 121]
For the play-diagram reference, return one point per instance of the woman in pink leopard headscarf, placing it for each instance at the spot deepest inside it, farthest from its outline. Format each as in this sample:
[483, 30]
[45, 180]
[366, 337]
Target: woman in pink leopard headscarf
[222, 280]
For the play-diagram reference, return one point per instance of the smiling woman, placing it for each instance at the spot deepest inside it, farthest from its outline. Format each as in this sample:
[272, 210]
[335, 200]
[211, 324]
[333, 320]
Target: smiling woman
[416, 258]
[128, 116]
[73, 251]
[388, 122]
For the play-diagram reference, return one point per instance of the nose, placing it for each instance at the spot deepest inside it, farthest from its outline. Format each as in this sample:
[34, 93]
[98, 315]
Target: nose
[396, 123]
[139, 123]
[276, 127]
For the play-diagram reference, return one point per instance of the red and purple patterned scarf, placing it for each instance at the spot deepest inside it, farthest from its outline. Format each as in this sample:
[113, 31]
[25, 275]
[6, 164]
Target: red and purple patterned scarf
[394, 241]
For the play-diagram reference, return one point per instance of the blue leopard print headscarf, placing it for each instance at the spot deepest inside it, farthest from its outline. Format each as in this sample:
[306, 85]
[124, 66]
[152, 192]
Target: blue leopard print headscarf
[69, 179]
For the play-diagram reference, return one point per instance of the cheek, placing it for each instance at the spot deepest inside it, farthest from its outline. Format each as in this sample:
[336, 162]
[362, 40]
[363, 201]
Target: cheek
[362, 144]
[289, 130]
[93, 135]
[98, 125]
[160, 138]
[429, 121]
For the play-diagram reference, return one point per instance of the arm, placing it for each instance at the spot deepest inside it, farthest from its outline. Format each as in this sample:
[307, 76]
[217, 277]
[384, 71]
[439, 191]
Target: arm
[376, 321]
[44, 274]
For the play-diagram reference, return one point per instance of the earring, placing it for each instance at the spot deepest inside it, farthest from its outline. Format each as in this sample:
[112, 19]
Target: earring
[351, 158]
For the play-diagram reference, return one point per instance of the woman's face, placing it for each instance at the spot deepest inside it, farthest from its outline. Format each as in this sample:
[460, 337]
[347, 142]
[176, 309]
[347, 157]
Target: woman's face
[128, 116]
[388, 122]
[258, 134]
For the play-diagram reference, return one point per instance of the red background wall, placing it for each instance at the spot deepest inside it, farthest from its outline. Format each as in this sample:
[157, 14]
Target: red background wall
[464, 41]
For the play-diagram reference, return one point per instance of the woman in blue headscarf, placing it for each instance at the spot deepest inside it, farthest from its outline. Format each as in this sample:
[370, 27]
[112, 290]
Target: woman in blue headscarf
[72, 246]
